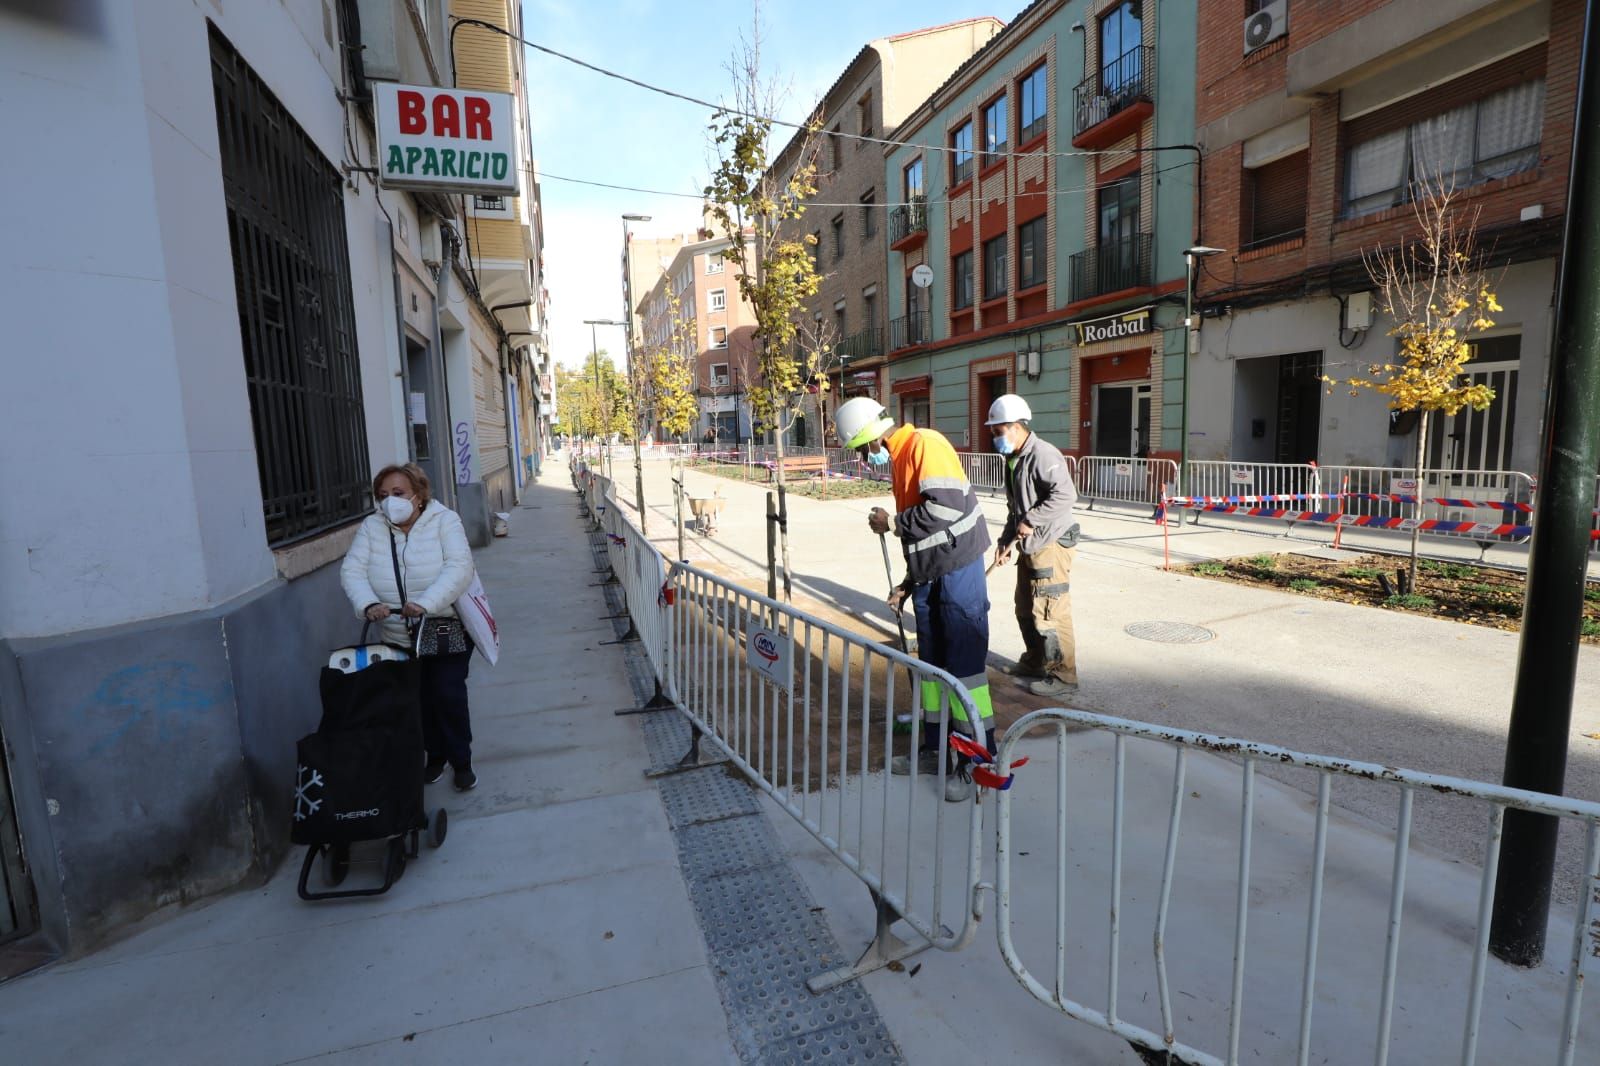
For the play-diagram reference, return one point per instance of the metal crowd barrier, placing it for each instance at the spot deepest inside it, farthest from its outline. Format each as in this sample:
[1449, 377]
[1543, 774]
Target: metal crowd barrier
[1074, 912]
[805, 709]
[1118, 479]
[1208, 477]
[1372, 490]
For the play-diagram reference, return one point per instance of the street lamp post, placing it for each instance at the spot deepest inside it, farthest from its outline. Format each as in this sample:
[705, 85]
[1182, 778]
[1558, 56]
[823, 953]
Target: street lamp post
[594, 352]
[627, 314]
[1198, 251]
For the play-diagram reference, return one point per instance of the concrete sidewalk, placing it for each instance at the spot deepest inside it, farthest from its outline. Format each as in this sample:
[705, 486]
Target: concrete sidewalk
[554, 925]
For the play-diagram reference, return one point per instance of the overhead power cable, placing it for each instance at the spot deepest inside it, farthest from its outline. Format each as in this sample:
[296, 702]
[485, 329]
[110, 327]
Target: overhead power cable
[724, 109]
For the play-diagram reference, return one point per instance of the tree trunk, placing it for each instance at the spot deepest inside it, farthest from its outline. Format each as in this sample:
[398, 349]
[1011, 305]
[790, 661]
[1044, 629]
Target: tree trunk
[1416, 508]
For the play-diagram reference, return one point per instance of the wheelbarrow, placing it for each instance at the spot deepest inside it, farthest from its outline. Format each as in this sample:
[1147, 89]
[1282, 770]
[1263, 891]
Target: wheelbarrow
[705, 510]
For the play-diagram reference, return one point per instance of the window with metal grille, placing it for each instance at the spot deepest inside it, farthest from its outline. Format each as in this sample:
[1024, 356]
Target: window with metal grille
[1275, 207]
[291, 273]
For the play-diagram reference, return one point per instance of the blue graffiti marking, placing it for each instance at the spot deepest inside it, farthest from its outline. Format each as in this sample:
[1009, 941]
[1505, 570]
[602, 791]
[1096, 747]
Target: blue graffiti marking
[166, 693]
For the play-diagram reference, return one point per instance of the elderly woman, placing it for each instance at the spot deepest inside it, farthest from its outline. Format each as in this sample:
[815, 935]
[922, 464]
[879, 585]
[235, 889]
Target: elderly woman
[406, 568]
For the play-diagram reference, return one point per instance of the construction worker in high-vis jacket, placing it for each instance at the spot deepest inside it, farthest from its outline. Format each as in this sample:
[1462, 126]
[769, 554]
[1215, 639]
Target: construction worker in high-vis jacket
[944, 538]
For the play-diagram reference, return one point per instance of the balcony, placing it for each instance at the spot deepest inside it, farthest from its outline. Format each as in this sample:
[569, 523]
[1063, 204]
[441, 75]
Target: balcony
[862, 344]
[1112, 267]
[907, 331]
[1112, 102]
[908, 225]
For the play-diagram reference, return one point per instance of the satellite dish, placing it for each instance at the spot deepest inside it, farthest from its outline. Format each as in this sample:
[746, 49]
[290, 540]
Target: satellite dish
[922, 276]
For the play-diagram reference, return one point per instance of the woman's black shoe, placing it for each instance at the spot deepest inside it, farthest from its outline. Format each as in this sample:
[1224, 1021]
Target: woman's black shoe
[466, 780]
[433, 771]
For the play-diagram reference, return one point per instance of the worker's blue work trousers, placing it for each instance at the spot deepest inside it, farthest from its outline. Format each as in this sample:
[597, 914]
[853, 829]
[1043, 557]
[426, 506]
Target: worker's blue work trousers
[953, 634]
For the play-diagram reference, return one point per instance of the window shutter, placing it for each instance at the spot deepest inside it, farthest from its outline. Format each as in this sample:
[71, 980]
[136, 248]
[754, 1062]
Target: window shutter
[1279, 207]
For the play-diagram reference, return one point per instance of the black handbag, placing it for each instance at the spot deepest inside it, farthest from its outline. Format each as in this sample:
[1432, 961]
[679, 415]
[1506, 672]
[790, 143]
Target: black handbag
[430, 636]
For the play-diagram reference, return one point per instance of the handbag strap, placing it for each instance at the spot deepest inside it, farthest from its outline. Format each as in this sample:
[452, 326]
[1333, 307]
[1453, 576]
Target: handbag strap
[394, 557]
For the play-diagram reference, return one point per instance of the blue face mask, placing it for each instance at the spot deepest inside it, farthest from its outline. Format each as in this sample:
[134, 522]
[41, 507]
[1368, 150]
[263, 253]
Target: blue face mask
[878, 457]
[1004, 446]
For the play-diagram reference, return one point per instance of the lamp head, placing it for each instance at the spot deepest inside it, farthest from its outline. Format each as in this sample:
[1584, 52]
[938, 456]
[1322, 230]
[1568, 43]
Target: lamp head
[1200, 251]
[636, 218]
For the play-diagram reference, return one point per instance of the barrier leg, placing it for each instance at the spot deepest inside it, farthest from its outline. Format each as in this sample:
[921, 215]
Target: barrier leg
[659, 702]
[885, 948]
[690, 760]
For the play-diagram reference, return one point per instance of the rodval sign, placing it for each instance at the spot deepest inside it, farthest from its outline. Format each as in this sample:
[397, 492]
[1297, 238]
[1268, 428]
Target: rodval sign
[446, 140]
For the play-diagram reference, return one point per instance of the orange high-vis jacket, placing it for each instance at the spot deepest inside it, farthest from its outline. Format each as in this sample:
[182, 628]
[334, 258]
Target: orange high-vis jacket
[939, 522]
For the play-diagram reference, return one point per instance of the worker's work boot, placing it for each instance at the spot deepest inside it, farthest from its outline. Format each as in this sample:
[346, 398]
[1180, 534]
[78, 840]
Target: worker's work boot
[927, 763]
[1054, 686]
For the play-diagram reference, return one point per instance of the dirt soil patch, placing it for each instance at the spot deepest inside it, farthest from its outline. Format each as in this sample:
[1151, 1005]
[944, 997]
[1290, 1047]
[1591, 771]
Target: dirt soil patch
[1460, 592]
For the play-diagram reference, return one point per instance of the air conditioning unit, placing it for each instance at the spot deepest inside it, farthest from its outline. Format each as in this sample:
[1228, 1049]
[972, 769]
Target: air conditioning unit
[1266, 25]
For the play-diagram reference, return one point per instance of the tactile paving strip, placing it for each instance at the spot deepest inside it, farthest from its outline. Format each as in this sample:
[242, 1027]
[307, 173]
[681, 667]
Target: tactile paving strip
[706, 795]
[712, 849]
[666, 736]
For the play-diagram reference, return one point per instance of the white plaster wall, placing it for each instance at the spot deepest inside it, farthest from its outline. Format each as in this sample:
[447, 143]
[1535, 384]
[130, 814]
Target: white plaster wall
[1355, 429]
[126, 448]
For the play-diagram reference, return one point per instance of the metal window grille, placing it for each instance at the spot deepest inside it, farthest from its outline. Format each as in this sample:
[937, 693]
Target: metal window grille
[296, 319]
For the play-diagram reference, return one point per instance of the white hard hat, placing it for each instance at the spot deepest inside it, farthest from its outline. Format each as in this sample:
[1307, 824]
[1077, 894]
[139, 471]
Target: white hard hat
[1009, 408]
[859, 421]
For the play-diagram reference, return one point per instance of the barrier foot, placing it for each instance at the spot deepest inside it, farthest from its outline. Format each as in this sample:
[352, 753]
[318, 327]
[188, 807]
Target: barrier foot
[658, 702]
[885, 948]
[690, 760]
[629, 637]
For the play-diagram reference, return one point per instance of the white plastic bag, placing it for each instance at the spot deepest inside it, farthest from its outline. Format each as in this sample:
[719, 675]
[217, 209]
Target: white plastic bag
[473, 607]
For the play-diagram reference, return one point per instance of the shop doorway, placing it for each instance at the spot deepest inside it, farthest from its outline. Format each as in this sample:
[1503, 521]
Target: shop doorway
[1277, 408]
[1122, 419]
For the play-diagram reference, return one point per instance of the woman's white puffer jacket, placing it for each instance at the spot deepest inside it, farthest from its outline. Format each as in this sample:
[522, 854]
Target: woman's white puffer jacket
[435, 563]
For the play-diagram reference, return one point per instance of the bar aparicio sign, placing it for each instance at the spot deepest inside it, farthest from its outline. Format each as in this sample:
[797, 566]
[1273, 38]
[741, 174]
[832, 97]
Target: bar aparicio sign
[1114, 327]
[446, 140]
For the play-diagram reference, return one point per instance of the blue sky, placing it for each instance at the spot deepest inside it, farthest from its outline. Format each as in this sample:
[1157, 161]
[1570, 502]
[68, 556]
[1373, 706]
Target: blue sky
[592, 127]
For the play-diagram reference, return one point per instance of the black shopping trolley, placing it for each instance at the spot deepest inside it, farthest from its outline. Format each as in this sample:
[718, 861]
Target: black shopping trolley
[359, 776]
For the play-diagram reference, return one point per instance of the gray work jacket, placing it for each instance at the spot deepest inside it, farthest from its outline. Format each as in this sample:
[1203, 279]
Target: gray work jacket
[1039, 489]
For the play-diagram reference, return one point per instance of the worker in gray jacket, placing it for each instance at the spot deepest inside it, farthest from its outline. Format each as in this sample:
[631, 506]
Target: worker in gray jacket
[1039, 499]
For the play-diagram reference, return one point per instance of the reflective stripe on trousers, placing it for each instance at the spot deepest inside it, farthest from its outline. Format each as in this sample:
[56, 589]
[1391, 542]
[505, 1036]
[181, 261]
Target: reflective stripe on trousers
[952, 614]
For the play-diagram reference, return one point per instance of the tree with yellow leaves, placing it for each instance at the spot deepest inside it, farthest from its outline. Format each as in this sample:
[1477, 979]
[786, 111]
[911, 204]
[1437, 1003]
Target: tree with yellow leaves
[1436, 292]
[775, 271]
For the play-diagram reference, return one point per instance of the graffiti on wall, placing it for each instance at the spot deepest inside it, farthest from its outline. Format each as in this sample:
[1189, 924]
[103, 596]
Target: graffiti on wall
[463, 453]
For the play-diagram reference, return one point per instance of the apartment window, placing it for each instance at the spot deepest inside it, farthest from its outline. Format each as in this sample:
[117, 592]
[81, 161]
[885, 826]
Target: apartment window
[719, 374]
[834, 141]
[1119, 212]
[913, 183]
[869, 213]
[488, 203]
[994, 267]
[1490, 138]
[291, 275]
[961, 275]
[994, 130]
[838, 237]
[869, 307]
[864, 112]
[717, 300]
[838, 322]
[961, 154]
[1035, 107]
[1121, 34]
[1275, 205]
[713, 264]
[719, 336]
[1030, 253]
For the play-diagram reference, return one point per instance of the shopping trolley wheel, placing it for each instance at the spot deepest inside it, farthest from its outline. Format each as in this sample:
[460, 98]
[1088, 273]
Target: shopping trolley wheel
[437, 829]
[397, 859]
[335, 864]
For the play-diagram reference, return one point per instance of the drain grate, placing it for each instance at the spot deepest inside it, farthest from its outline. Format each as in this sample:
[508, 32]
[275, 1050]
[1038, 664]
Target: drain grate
[1169, 632]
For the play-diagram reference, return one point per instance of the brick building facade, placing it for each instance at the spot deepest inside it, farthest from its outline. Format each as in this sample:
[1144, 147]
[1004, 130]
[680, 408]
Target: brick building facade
[1313, 132]
[1040, 188]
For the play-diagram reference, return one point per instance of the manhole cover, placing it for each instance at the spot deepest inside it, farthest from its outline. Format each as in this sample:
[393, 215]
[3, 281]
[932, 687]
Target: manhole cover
[1169, 632]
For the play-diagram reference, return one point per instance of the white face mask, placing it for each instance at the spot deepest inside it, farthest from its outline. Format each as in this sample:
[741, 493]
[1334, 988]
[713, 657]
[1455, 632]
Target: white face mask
[398, 509]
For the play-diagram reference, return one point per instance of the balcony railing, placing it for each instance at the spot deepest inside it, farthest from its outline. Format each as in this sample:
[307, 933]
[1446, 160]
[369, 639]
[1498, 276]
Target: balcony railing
[909, 330]
[1113, 88]
[908, 220]
[862, 344]
[1112, 267]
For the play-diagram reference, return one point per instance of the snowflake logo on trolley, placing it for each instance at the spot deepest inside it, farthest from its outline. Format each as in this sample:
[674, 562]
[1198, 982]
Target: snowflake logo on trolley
[304, 805]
